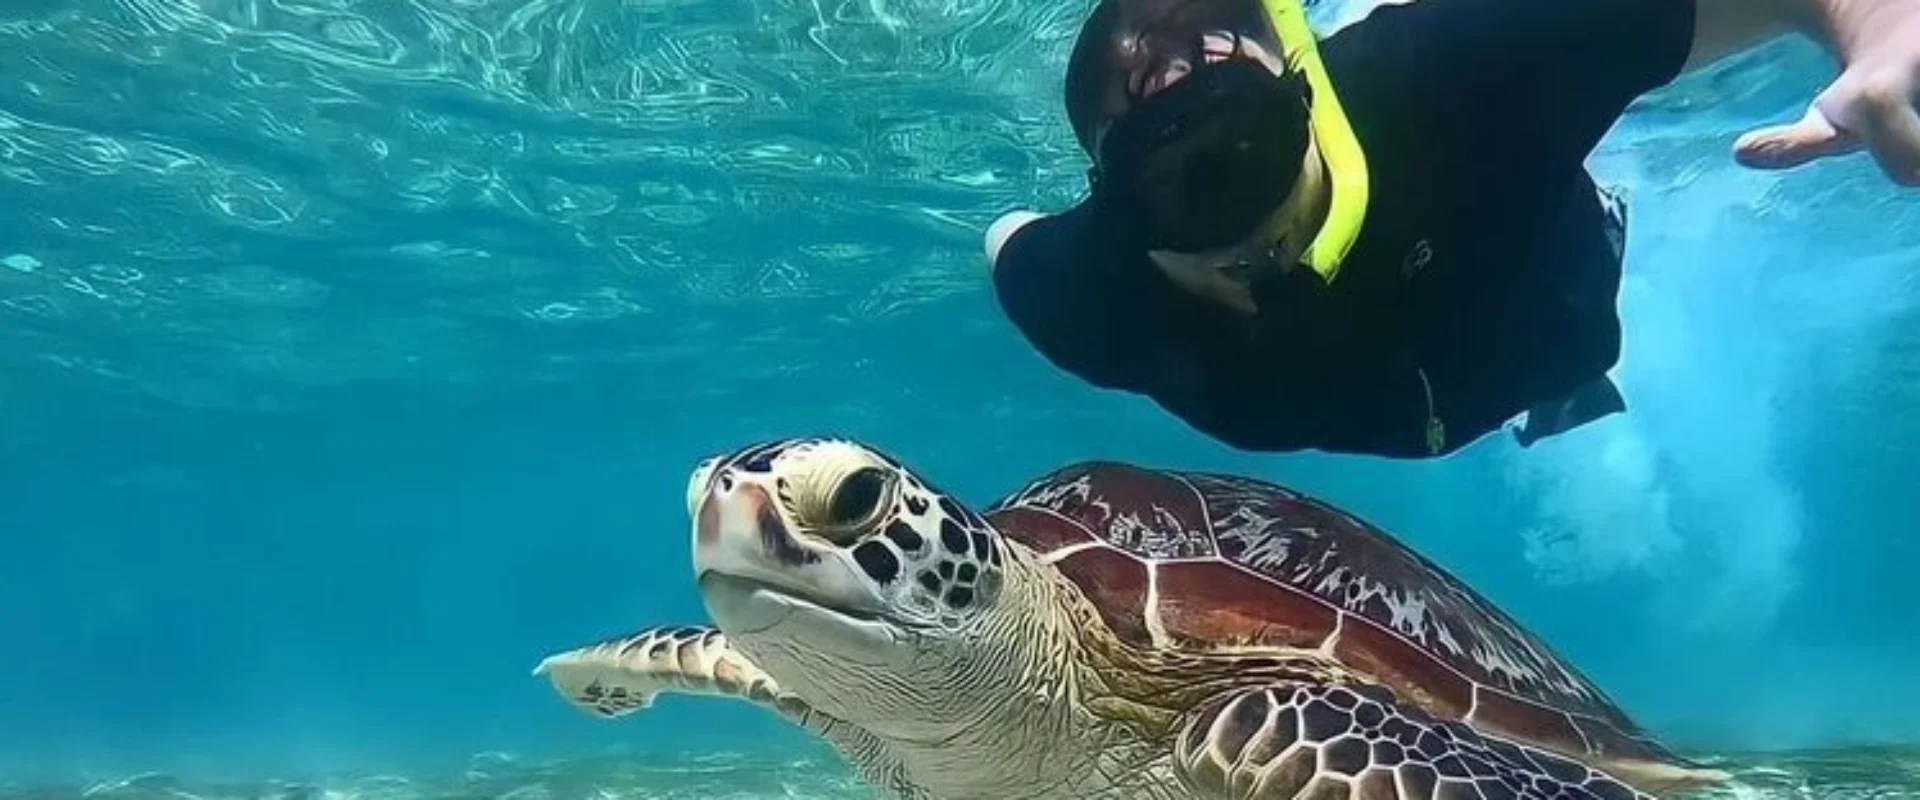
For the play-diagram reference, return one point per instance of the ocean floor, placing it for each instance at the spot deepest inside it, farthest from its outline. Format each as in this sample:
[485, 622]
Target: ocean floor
[1864, 774]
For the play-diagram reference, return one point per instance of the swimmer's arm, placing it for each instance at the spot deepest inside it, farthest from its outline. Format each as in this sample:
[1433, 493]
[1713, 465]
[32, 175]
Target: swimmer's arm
[1272, 401]
[1003, 229]
[1071, 306]
[1372, 407]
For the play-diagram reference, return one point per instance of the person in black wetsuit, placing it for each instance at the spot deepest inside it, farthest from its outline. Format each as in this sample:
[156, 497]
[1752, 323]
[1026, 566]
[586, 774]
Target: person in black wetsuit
[1483, 282]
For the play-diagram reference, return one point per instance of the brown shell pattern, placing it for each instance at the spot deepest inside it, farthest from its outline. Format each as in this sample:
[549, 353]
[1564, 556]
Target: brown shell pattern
[1203, 561]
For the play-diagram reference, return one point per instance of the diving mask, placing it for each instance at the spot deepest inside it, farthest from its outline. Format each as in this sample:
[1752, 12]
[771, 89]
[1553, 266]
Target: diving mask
[1201, 164]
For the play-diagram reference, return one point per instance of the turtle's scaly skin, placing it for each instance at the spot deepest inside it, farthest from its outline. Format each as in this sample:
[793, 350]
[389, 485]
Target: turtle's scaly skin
[687, 659]
[947, 659]
[619, 676]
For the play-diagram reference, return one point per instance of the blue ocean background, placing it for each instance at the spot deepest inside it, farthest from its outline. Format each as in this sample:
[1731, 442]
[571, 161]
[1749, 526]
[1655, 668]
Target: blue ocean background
[354, 353]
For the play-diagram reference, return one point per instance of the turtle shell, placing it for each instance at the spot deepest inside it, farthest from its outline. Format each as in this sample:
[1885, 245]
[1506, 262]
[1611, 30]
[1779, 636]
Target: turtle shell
[1202, 561]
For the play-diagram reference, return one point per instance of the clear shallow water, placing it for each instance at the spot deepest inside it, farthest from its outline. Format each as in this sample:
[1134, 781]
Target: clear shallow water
[1826, 775]
[353, 354]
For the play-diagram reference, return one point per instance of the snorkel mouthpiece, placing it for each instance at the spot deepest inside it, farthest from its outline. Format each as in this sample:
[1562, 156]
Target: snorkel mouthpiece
[1200, 165]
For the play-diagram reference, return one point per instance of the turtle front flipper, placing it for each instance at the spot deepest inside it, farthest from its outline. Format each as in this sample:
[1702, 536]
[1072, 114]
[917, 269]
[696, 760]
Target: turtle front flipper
[1285, 741]
[620, 676]
[623, 675]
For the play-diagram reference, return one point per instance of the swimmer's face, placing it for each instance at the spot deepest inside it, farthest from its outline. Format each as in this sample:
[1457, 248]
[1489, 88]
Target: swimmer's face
[1223, 275]
[1153, 75]
[1139, 73]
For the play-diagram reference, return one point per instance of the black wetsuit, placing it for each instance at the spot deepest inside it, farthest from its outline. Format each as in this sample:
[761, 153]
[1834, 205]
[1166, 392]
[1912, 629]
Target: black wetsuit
[1484, 280]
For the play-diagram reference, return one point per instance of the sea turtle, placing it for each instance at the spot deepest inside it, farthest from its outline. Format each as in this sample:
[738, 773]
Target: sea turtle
[1111, 631]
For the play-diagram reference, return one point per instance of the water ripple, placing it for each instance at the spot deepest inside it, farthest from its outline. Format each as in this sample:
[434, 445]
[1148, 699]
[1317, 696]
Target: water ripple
[793, 164]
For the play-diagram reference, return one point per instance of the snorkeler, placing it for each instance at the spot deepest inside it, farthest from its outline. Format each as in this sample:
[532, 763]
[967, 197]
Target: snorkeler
[1388, 243]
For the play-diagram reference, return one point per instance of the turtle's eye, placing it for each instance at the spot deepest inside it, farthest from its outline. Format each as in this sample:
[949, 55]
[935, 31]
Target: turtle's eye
[857, 499]
[838, 494]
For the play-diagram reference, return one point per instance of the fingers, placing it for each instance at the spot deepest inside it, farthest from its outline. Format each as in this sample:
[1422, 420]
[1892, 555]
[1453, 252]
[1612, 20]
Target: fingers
[1788, 146]
[1889, 121]
[1878, 113]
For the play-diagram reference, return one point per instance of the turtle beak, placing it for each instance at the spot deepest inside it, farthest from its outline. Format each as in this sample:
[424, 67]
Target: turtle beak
[698, 483]
[737, 531]
[740, 535]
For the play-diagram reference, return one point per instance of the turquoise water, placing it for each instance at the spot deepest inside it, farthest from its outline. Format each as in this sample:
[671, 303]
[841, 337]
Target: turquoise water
[809, 773]
[353, 354]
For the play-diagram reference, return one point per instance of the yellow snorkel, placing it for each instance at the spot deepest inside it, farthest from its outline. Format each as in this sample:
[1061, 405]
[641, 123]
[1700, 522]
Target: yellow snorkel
[1332, 134]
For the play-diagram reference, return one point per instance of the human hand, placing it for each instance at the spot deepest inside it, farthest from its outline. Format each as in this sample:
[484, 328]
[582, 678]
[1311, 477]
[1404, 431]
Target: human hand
[1873, 105]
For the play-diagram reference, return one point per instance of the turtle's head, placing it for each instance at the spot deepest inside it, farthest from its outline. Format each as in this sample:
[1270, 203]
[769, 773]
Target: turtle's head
[833, 554]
